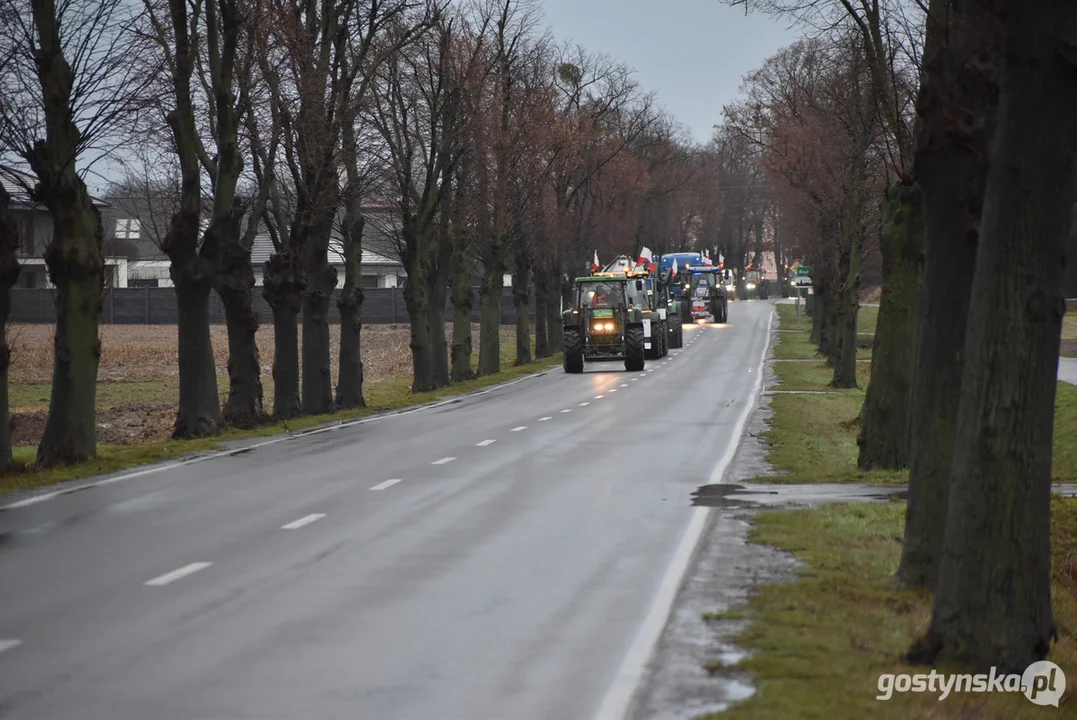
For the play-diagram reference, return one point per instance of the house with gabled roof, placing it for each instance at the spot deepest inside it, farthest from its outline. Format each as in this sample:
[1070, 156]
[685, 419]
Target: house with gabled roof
[37, 228]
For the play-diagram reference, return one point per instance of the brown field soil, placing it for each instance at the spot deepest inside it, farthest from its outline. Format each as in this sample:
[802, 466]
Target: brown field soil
[131, 413]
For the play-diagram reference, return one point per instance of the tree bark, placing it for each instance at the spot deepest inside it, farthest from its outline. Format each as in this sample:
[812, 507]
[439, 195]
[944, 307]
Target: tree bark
[10, 245]
[520, 278]
[493, 286]
[956, 108]
[884, 429]
[73, 258]
[542, 301]
[848, 308]
[460, 280]
[350, 303]
[199, 411]
[321, 282]
[993, 599]
[417, 302]
[235, 286]
[438, 294]
[283, 289]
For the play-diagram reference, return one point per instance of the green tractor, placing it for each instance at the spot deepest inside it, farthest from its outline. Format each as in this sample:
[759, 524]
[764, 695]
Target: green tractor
[604, 322]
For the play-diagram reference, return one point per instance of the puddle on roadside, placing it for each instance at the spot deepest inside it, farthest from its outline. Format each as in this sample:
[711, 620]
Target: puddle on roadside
[719, 495]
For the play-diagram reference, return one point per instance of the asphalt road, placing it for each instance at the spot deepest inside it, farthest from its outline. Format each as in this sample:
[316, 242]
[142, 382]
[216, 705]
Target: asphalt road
[506, 556]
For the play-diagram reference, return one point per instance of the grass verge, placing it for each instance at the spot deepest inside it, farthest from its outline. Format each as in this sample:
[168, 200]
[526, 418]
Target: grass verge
[393, 394]
[820, 643]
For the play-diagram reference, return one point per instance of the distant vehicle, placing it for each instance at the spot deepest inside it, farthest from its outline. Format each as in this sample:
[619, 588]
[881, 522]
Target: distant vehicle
[604, 322]
[754, 283]
[707, 297]
[684, 260]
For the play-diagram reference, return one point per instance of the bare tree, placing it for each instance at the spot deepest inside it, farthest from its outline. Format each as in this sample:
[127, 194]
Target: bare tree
[956, 106]
[993, 598]
[67, 84]
[10, 244]
[381, 30]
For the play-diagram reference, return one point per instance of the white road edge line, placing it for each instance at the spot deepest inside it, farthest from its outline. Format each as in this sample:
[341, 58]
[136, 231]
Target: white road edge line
[178, 574]
[303, 521]
[443, 460]
[254, 446]
[544, 419]
[6, 645]
[386, 484]
[484, 443]
[618, 699]
[518, 429]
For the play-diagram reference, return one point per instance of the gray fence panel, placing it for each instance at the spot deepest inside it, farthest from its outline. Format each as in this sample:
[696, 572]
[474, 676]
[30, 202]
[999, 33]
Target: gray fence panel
[158, 306]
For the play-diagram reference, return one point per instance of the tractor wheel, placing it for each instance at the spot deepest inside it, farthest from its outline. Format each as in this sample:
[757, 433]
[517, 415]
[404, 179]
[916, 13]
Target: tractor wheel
[665, 339]
[573, 342]
[634, 349]
[675, 336]
[680, 337]
[723, 308]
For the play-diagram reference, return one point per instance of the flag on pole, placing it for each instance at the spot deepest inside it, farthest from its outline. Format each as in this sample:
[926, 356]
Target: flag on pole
[594, 263]
[707, 258]
[646, 259]
[674, 267]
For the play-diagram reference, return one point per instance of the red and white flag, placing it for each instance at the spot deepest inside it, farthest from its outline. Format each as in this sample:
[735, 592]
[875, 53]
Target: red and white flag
[646, 259]
[594, 263]
[707, 258]
[674, 267]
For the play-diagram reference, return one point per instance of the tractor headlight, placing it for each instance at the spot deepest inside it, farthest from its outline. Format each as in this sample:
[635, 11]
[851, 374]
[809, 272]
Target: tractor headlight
[751, 286]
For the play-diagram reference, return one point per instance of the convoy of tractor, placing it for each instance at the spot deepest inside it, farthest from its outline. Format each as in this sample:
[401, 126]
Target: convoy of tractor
[636, 311]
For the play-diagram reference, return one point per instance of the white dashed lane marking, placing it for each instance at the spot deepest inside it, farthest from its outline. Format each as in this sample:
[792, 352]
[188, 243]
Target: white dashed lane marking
[518, 429]
[584, 404]
[599, 397]
[6, 645]
[386, 484]
[307, 520]
[569, 410]
[544, 419]
[178, 574]
[443, 460]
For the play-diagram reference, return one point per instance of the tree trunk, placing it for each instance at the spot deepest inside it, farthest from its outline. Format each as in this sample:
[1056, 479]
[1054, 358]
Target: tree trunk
[321, 282]
[490, 320]
[849, 304]
[461, 326]
[993, 599]
[10, 245]
[350, 303]
[520, 299]
[542, 301]
[199, 411]
[884, 429]
[417, 302]
[951, 162]
[282, 288]
[235, 286]
[73, 257]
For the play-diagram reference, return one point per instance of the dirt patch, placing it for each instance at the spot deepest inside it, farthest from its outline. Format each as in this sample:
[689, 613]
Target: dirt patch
[1069, 348]
[130, 425]
[151, 352]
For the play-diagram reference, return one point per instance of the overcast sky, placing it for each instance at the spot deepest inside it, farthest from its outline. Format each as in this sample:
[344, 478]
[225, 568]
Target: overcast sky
[693, 53]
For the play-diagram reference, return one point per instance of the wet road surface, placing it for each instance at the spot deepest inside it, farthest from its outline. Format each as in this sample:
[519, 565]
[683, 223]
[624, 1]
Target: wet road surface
[503, 556]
